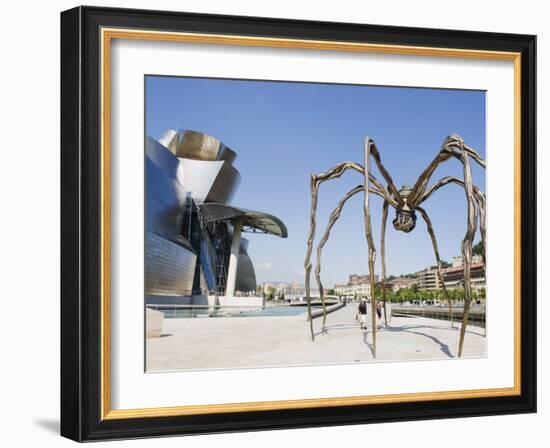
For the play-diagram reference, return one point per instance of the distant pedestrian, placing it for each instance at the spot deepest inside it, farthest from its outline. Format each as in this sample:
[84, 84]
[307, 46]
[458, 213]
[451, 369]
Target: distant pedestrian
[378, 313]
[362, 314]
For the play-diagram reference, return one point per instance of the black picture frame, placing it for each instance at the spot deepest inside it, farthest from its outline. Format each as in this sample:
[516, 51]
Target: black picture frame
[81, 210]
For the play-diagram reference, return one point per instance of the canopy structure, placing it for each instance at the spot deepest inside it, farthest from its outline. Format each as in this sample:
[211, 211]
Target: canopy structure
[251, 220]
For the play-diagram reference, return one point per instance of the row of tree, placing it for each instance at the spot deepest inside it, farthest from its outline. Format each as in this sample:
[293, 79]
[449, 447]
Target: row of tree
[413, 294]
[272, 293]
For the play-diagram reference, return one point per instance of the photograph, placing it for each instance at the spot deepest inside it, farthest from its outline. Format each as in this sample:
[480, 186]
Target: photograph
[274, 223]
[253, 259]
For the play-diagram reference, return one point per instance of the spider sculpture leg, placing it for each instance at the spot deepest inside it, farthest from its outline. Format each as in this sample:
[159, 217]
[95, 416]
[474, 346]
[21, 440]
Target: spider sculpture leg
[454, 146]
[467, 247]
[332, 220]
[373, 151]
[383, 257]
[334, 216]
[438, 260]
[395, 199]
[482, 229]
[316, 180]
[480, 204]
[370, 241]
[480, 198]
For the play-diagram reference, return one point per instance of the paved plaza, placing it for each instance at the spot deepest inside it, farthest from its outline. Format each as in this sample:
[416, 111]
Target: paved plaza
[233, 342]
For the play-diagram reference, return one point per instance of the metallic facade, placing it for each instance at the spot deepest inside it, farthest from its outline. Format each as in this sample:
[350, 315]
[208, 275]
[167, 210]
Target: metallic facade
[246, 276]
[209, 181]
[259, 221]
[170, 268]
[190, 181]
[196, 146]
[169, 259]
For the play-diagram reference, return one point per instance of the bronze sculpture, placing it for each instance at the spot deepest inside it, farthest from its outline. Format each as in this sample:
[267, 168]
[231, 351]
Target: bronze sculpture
[406, 203]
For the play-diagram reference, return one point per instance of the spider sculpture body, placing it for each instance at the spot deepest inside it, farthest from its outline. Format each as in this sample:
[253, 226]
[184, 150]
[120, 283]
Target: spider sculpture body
[407, 203]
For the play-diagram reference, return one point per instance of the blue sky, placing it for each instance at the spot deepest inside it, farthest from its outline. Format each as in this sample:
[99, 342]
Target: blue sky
[283, 132]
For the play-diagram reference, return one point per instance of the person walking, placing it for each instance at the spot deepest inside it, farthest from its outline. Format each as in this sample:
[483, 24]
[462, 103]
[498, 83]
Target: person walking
[362, 314]
[378, 314]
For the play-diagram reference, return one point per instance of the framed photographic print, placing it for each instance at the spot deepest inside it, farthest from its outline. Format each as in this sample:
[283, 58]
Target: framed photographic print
[273, 223]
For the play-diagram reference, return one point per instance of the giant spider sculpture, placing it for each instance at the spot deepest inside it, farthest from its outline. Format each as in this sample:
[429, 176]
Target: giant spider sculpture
[406, 202]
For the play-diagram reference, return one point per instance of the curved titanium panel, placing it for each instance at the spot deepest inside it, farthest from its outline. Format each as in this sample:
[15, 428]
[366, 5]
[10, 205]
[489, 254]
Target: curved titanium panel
[197, 146]
[169, 267]
[162, 157]
[169, 260]
[163, 202]
[246, 276]
[261, 221]
[210, 181]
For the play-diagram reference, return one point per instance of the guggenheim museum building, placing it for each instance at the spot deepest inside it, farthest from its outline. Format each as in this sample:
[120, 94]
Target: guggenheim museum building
[193, 242]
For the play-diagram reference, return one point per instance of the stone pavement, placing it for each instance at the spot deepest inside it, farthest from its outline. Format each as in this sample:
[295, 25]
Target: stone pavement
[233, 342]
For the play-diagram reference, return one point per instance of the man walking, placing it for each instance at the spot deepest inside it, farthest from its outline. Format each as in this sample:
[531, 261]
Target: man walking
[362, 314]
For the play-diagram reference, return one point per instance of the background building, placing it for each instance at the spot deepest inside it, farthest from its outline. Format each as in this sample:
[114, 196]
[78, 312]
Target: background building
[454, 276]
[401, 282]
[428, 279]
[358, 285]
[193, 235]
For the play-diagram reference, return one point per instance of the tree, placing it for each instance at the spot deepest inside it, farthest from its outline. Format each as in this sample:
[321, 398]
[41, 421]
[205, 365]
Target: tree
[406, 294]
[403, 294]
[479, 249]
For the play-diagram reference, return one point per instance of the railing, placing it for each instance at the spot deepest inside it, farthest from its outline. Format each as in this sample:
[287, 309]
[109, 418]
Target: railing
[330, 309]
[175, 311]
[477, 316]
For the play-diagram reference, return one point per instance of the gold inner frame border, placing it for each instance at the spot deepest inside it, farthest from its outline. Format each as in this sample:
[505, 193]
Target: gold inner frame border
[107, 35]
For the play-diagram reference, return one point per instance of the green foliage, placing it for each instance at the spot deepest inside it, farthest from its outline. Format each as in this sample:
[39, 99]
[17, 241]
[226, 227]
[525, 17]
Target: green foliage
[478, 249]
[271, 293]
[390, 295]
